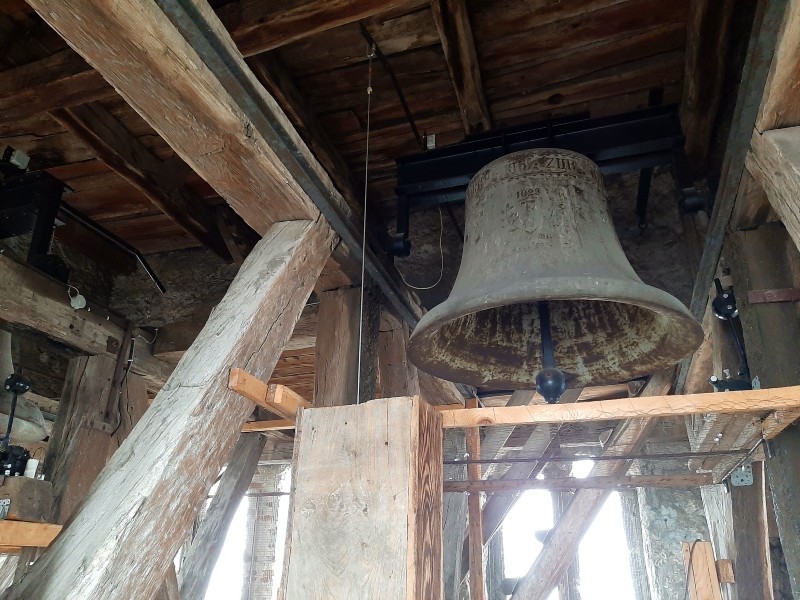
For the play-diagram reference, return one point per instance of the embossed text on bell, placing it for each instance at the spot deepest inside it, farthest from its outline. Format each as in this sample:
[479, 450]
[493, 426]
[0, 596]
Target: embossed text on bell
[539, 235]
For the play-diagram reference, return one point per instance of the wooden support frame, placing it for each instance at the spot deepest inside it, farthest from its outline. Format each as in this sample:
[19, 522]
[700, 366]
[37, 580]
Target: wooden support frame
[477, 578]
[275, 398]
[751, 401]
[350, 462]
[187, 434]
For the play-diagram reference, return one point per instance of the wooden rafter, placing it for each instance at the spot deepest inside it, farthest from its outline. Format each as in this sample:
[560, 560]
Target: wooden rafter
[455, 31]
[108, 139]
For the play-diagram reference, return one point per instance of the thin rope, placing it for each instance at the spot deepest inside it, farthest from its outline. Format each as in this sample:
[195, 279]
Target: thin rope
[441, 254]
[371, 55]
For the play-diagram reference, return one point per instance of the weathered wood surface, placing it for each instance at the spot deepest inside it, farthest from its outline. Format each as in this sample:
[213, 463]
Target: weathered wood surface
[31, 499]
[751, 401]
[751, 563]
[397, 376]
[187, 434]
[34, 300]
[207, 543]
[452, 22]
[701, 571]
[495, 486]
[780, 106]
[706, 55]
[783, 473]
[350, 463]
[336, 373]
[437, 391]
[774, 161]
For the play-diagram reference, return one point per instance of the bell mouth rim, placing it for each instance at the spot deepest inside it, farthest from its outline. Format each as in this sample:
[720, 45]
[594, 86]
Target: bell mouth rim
[660, 302]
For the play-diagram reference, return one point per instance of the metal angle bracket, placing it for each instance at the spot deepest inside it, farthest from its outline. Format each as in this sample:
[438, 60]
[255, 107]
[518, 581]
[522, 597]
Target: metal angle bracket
[5, 504]
[742, 476]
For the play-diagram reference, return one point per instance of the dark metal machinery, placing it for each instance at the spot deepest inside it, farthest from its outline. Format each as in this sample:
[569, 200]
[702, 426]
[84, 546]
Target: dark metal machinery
[634, 141]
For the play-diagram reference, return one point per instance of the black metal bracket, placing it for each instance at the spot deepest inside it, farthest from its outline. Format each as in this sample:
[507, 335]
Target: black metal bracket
[630, 142]
[725, 308]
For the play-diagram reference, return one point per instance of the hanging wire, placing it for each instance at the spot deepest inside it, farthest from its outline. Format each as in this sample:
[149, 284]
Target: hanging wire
[441, 254]
[371, 55]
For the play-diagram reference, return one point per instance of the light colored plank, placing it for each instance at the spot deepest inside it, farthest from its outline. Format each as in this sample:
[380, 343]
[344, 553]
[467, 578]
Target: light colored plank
[28, 535]
[508, 486]
[750, 401]
[274, 425]
[274, 397]
[703, 583]
[350, 464]
[751, 538]
[121, 530]
[477, 579]
[725, 570]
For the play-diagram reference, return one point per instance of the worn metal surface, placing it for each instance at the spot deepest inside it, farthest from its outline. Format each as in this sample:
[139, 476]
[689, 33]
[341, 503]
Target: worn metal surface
[538, 229]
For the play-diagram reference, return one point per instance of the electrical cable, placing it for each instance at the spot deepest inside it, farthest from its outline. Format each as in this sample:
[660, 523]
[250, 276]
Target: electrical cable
[441, 254]
[128, 365]
[371, 56]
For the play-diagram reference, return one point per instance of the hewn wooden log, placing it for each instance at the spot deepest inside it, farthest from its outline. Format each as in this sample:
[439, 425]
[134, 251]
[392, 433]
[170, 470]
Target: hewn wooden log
[29, 298]
[207, 543]
[119, 544]
[350, 462]
[397, 376]
[775, 399]
[780, 106]
[477, 579]
[452, 22]
[783, 472]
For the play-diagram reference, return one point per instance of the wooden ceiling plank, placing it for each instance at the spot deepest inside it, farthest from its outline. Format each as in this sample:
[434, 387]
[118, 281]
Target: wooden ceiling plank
[112, 143]
[260, 25]
[706, 57]
[176, 65]
[452, 22]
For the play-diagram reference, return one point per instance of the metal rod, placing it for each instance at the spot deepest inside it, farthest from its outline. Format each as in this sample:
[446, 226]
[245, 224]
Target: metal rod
[7, 437]
[548, 355]
[604, 457]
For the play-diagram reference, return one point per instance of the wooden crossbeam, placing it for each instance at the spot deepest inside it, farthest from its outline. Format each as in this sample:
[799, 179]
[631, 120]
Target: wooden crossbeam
[750, 401]
[509, 486]
[477, 585]
[273, 425]
[275, 397]
[27, 535]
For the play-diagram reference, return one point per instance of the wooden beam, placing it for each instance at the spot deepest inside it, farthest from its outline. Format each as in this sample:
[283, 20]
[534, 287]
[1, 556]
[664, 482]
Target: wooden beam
[112, 143]
[763, 41]
[349, 462]
[259, 25]
[701, 571]
[262, 426]
[178, 67]
[437, 391]
[708, 31]
[276, 398]
[774, 161]
[185, 437]
[500, 486]
[207, 543]
[34, 300]
[340, 353]
[397, 376]
[452, 22]
[783, 473]
[751, 563]
[61, 79]
[27, 535]
[780, 106]
[750, 401]
[477, 579]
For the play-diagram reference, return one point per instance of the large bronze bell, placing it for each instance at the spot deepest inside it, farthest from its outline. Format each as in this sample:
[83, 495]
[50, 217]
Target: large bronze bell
[539, 245]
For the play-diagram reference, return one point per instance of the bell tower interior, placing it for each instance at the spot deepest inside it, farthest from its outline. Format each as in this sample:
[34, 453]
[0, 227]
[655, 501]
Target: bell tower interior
[400, 299]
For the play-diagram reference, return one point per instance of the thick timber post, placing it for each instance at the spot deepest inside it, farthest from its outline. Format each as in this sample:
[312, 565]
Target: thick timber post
[366, 513]
[123, 538]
